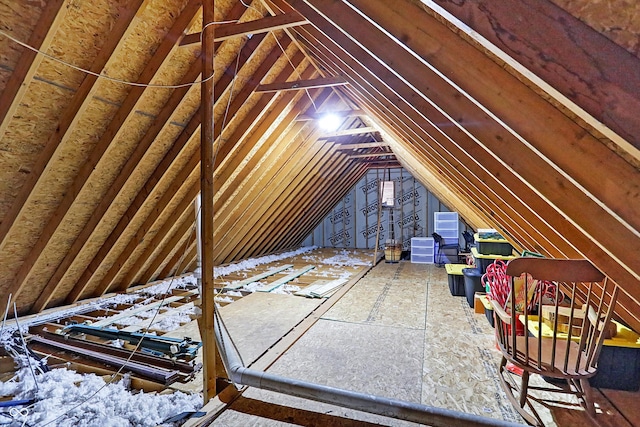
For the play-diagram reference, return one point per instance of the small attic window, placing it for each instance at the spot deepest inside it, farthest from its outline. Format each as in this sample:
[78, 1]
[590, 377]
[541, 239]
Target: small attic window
[387, 194]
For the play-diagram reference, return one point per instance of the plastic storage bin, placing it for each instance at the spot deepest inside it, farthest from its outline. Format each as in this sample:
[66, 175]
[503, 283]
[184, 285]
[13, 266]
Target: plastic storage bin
[456, 278]
[482, 261]
[422, 250]
[493, 246]
[446, 224]
[619, 362]
[472, 283]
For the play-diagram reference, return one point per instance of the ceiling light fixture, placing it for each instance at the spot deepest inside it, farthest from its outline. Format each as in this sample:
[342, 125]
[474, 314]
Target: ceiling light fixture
[329, 122]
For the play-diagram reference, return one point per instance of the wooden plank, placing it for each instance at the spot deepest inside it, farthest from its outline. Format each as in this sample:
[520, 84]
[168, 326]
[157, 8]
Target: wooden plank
[366, 155]
[289, 277]
[241, 283]
[306, 291]
[325, 290]
[263, 25]
[351, 131]
[302, 84]
[170, 312]
[584, 75]
[625, 402]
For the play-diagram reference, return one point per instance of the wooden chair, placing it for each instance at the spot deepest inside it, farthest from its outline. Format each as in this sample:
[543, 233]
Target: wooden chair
[570, 356]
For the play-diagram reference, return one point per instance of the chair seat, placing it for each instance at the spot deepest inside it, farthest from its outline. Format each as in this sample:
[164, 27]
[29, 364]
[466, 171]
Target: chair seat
[547, 366]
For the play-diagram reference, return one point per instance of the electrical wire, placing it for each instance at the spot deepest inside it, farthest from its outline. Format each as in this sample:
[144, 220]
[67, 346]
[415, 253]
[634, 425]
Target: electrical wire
[24, 344]
[4, 319]
[103, 76]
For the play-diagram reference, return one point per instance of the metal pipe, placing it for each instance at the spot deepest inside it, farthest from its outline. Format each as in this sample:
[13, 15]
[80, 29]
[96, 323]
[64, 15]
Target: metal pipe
[408, 411]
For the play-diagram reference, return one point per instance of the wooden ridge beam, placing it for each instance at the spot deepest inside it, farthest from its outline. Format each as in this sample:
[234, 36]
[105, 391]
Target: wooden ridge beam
[368, 155]
[258, 26]
[349, 132]
[302, 84]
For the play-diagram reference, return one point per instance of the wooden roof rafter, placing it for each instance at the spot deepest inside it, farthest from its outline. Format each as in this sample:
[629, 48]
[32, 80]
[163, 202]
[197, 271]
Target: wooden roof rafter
[221, 152]
[62, 134]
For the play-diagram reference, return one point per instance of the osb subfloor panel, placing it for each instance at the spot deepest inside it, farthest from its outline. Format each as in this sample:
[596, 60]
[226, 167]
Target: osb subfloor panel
[399, 333]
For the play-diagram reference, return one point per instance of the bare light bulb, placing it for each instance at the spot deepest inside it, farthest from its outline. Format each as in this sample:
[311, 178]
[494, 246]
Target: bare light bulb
[329, 122]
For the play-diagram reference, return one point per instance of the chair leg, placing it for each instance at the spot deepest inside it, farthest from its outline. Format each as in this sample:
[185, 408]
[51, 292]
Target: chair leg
[587, 396]
[518, 405]
[524, 388]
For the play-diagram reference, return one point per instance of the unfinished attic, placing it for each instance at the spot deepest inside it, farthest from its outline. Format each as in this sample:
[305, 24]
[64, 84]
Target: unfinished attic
[185, 240]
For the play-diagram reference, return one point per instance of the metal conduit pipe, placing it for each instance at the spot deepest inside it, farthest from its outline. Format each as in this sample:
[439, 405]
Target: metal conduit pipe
[408, 411]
